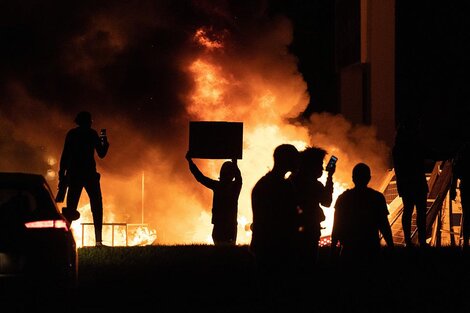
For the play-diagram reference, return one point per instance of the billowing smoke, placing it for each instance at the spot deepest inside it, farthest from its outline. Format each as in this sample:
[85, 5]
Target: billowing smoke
[144, 70]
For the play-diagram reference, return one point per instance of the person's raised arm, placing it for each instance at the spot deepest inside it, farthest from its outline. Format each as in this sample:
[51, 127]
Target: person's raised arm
[327, 196]
[201, 178]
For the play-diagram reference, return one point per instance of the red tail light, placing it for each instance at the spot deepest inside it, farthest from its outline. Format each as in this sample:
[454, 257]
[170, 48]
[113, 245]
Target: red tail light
[47, 224]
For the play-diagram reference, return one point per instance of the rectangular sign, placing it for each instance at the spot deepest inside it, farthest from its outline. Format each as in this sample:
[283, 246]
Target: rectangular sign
[216, 140]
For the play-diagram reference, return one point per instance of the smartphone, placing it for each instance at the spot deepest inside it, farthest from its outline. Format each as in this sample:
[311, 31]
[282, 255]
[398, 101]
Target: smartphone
[331, 163]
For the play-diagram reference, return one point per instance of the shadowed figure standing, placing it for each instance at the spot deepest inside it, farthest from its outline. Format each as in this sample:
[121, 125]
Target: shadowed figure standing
[78, 170]
[310, 194]
[412, 186]
[461, 175]
[225, 199]
[274, 206]
[360, 215]
[359, 219]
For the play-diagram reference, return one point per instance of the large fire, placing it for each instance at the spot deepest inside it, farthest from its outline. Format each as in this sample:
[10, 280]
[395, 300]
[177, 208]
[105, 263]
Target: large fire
[258, 85]
[216, 96]
[264, 129]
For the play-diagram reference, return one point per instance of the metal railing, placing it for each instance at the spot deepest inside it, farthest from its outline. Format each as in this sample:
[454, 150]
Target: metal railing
[113, 225]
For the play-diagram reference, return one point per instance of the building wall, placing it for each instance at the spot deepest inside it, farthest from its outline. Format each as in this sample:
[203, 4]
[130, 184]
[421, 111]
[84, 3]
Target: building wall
[381, 57]
[367, 82]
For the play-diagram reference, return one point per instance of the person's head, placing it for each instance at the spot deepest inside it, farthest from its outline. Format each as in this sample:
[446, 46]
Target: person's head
[361, 175]
[227, 171]
[311, 161]
[286, 158]
[83, 119]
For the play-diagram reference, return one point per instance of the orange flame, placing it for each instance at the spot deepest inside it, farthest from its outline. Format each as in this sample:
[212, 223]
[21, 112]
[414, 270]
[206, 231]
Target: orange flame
[202, 37]
[262, 91]
[210, 101]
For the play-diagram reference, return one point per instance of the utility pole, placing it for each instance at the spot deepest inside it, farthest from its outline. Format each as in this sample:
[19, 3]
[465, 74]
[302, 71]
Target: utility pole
[143, 191]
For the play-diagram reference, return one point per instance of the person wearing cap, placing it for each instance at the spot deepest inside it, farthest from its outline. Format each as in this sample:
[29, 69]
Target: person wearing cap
[78, 170]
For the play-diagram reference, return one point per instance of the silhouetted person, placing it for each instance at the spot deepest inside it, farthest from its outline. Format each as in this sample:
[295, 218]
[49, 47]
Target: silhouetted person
[410, 173]
[225, 199]
[78, 169]
[310, 194]
[274, 227]
[461, 175]
[360, 217]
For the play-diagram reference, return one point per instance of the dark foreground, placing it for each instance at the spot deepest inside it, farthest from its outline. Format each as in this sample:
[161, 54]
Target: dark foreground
[199, 278]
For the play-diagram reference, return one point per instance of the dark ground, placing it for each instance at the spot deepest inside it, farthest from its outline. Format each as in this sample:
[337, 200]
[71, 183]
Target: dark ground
[200, 278]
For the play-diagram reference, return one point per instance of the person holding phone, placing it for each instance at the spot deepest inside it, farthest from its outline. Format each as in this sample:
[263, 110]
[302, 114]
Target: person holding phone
[78, 170]
[311, 193]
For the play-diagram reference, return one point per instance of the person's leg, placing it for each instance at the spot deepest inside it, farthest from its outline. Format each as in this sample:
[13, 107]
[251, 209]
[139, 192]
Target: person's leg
[73, 196]
[408, 207]
[224, 233]
[217, 235]
[232, 235]
[421, 208]
[93, 189]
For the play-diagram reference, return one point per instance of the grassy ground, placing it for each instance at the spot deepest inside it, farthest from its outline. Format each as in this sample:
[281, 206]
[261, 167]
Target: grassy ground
[203, 278]
[166, 278]
[223, 279]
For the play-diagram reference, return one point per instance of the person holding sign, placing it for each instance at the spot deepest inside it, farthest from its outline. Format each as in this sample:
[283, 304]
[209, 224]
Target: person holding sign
[225, 200]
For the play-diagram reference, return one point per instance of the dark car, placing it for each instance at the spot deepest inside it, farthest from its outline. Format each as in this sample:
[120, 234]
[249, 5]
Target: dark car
[37, 247]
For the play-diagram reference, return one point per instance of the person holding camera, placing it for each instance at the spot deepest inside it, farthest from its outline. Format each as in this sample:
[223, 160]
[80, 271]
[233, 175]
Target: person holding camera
[311, 193]
[78, 170]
